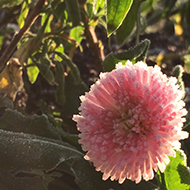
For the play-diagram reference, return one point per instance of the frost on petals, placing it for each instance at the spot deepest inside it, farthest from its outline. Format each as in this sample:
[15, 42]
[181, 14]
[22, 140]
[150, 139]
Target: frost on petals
[130, 121]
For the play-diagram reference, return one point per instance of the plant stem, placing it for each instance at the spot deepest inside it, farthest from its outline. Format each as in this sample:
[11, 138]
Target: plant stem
[29, 21]
[138, 31]
[94, 44]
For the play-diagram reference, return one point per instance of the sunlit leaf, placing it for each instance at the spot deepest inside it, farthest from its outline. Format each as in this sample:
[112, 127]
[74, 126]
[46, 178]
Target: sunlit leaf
[187, 63]
[177, 26]
[32, 72]
[98, 5]
[177, 174]
[77, 33]
[178, 73]
[44, 17]
[1, 39]
[22, 16]
[116, 12]
[128, 23]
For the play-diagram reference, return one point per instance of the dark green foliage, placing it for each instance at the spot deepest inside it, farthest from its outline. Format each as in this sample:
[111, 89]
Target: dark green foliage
[39, 144]
[138, 53]
[128, 24]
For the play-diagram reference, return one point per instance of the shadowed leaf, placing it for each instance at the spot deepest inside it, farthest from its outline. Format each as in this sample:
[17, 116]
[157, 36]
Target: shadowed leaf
[23, 152]
[37, 125]
[138, 53]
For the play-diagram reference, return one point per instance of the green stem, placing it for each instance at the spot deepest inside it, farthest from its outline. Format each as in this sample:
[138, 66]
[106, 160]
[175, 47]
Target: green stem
[138, 31]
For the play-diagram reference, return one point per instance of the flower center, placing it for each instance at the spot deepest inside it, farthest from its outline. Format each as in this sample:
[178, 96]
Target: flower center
[131, 120]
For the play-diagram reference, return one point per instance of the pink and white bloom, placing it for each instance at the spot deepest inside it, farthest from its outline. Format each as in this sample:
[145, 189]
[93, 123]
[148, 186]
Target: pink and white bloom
[130, 121]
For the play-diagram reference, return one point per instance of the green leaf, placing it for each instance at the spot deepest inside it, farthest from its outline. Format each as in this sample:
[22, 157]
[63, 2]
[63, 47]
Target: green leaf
[26, 153]
[77, 34]
[58, 8]
[60, 80]
[9, 2]
[73, 68]
[178, 73]
[186, 59]
[72, 93]
[44, 66]
[161, 180]
[23, 14]
[98, 5]
[32, 72]
[116, 12]
[73, 11]
[31, 45]
[128, 23]
[38, 125]
[43, 21]
[89, 9]
[187, 18]
[138, 53]
[147, 6]
[143, 54]
[74, 87]
[177, 174]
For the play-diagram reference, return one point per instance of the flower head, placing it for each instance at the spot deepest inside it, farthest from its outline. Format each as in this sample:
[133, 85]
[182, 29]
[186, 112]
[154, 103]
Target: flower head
[130, 121]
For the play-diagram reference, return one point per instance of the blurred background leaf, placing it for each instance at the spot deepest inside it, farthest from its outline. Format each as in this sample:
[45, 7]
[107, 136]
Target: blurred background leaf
[9, 2]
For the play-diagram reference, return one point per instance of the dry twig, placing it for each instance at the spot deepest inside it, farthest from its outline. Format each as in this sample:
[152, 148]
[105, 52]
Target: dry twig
[29, 21]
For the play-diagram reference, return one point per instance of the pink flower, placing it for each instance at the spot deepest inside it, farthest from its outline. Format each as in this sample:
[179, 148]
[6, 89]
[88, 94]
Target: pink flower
[130, 121]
